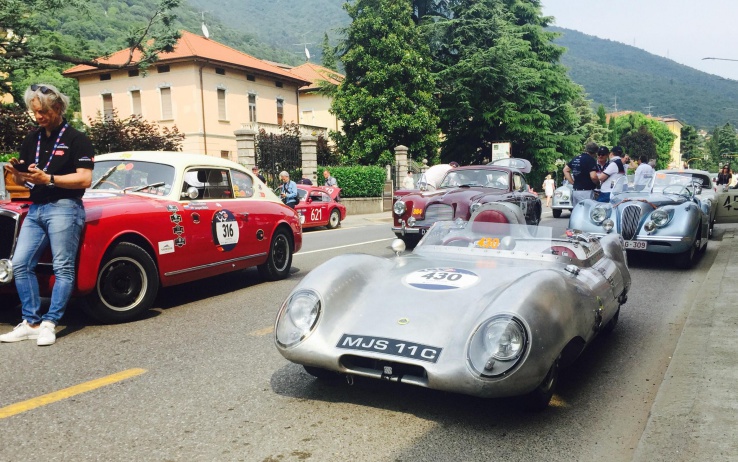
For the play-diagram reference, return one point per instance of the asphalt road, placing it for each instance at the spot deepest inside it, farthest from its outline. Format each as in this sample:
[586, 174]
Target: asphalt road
[200, 380]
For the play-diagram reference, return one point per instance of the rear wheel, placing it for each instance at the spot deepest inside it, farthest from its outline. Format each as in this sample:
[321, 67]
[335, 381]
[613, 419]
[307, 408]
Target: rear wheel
[538, 399]
[127, 284]
[279, 260]
[335, 219]
[610, 326]
[556, 213]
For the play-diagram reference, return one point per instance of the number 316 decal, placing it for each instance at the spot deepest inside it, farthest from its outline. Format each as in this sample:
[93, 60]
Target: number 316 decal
[225, 230]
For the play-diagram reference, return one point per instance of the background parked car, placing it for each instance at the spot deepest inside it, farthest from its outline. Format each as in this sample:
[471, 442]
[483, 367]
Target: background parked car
[318, 206]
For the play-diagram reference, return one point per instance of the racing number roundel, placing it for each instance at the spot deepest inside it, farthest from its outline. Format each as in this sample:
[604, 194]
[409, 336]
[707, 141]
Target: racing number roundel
[441, 279]
[225, 230]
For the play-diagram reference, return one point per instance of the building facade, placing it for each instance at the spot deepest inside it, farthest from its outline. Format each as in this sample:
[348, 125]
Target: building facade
[204, 88]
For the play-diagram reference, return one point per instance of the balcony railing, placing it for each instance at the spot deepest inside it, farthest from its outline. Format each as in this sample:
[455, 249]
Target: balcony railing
[277, 129]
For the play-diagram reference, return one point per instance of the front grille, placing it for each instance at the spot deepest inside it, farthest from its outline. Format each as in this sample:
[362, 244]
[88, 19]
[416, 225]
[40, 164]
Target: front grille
[630, 218]
[439, 212]
[389, 370]
[8, 233]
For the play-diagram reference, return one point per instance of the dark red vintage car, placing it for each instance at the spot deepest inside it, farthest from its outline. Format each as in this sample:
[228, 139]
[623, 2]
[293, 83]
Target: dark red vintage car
[159, 219]
[318, 206]
[461, 192]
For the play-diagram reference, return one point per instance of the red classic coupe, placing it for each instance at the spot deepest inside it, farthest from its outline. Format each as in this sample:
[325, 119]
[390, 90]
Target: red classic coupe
[318, 206]
[461, 192]
[159, 219]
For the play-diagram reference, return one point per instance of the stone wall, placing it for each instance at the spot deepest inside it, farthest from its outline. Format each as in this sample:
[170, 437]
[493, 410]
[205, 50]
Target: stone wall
[362, 205]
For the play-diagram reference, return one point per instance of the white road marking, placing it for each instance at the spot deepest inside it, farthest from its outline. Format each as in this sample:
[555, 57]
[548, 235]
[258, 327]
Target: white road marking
[343, 246]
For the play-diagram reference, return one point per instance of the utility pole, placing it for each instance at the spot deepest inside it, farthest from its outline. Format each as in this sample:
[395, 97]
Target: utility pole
[648, 108]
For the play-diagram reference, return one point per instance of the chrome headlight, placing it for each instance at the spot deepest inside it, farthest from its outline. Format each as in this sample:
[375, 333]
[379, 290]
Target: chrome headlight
[6, 271]
[297, 317]
[608, 225]
[565, 196]
[558, 194]
[497, 345]
[660, 217]
[598, 214]
[399, 208]
[411, 221]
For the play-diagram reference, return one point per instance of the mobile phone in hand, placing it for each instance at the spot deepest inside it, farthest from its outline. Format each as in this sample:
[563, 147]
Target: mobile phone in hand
[23, 168]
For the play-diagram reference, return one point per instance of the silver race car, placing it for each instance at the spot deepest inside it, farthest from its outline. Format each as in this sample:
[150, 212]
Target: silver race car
[562, 199]
[668, 213]
[490, 308]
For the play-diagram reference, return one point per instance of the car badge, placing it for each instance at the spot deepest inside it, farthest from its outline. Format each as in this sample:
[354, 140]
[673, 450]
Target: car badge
[403, 321]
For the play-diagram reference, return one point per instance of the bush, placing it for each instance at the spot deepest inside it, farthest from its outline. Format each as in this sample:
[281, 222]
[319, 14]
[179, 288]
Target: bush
[110, 134]
[15, 124]
[357, 181]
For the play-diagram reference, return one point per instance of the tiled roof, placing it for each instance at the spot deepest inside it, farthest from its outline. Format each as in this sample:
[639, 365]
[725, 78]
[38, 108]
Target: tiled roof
[314, 74]
[192, 46]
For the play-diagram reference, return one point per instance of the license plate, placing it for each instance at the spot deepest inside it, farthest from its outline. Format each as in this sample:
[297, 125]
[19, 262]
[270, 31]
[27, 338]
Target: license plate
[636, 245]
[390, 346]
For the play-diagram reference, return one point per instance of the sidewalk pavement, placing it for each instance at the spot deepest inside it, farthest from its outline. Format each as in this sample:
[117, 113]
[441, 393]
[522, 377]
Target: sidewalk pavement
[695, 414]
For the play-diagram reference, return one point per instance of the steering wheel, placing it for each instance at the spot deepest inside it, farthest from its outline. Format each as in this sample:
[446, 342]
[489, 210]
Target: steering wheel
[110, 183]
[457, 241]
[678, 190]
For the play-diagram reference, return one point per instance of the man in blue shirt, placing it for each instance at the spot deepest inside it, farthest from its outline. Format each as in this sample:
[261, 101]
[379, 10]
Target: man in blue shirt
[288, 190]
[581, 172]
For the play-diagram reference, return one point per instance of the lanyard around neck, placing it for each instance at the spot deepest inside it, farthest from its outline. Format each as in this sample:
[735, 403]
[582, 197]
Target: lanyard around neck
[53, 150]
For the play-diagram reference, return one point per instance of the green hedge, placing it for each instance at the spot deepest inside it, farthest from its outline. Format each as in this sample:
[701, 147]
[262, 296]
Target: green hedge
[357, 181]
[6, 157]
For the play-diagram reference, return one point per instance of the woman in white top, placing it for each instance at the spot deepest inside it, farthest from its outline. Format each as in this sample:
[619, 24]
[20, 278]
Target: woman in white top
[548, 189]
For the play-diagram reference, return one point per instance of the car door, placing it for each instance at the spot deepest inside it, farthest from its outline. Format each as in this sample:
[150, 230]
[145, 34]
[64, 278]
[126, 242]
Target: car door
[215, 225]
[520, 192]
[727, 205]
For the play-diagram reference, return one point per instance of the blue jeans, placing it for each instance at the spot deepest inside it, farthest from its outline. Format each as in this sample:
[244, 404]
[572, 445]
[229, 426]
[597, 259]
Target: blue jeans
[60, 225]
[604, 197]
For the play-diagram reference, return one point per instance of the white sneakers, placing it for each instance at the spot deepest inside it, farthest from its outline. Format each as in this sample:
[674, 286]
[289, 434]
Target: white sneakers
[45, 334]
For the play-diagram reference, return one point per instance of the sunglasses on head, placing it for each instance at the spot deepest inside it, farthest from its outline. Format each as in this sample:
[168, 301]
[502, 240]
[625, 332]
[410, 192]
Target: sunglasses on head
[42, 88]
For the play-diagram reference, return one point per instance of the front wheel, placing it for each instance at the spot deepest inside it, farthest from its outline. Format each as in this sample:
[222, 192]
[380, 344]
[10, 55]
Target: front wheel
[279, 260]
[556, 213]
[538, 399]
[685, 260]
[127, 284]
[335, 219]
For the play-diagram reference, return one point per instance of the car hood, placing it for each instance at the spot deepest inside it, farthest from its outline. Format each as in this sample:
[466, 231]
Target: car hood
[454, 195]
[392, 298]
[659, 200]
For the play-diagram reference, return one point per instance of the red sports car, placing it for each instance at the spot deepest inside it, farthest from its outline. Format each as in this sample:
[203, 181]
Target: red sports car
[159, 219]
[318, 206]
[462, 191]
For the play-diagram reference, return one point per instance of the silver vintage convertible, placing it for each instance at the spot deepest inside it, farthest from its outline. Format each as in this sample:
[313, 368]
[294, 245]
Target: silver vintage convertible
[668, 213]
[490, 308]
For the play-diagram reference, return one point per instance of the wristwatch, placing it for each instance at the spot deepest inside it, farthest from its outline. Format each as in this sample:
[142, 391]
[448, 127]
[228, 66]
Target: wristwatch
[51, 181]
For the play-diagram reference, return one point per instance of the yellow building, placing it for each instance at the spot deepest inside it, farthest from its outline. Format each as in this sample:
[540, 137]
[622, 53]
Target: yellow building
[206, 89]
[315, 106]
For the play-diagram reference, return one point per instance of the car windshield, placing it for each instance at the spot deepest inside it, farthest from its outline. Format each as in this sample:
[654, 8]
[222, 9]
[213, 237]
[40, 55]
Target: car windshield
[487, 239]
[487, 178]
[683, 184]
[139, 176]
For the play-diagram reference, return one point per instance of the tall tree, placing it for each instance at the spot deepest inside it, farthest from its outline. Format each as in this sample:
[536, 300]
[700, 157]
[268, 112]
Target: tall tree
[329, 54]
[692, 148]
[29, 41]
[499, 79]
[601, 115]
[386, 98]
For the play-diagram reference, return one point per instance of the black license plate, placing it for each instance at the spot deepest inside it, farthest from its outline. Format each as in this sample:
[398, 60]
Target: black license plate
[390, 346]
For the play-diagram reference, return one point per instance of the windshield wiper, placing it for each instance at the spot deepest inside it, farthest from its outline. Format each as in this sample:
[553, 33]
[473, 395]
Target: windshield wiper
[141, 188]
[104, 176]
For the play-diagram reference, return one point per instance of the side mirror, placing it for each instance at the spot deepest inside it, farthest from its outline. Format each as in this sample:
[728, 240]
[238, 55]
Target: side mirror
[191, 193]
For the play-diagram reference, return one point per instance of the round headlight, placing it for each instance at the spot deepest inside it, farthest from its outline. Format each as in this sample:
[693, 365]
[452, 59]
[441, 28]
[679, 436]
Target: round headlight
[598, 214]
[608, 225]
[565, 197]
[649, 226]
[298, 317]
[660, 217]
[399, 208]
[558, 194]
[497, 345]
[411, 221]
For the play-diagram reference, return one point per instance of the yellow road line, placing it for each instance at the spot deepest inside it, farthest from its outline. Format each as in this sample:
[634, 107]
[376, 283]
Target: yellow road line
[33, 403]
[260, 332]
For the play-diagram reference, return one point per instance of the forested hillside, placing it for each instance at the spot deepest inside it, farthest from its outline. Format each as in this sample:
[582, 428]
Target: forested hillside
[610, 70]
[606, 69]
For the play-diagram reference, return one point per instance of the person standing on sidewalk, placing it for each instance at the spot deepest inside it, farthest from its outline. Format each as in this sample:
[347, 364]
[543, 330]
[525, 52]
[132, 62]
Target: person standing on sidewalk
[548, 188]
[581, 172]
[55, 162]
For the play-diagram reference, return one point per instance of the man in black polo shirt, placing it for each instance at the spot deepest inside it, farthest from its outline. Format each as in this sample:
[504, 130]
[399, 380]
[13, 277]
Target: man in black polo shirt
[581, 172]
[56, 163]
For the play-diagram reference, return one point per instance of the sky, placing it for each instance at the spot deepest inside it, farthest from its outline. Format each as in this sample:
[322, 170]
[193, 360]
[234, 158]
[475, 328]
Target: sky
[684, 31]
